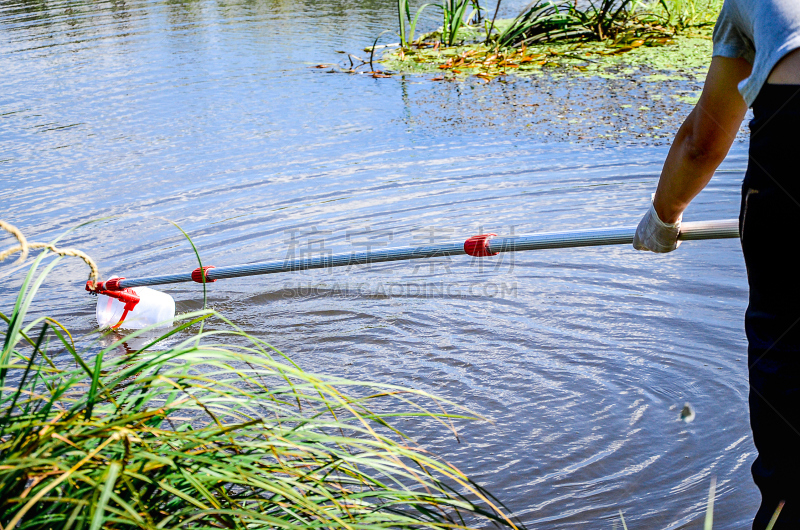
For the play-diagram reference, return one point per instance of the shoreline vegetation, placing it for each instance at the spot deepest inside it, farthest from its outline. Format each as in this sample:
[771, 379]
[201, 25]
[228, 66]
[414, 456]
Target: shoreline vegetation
[201, 428]
[607, 39]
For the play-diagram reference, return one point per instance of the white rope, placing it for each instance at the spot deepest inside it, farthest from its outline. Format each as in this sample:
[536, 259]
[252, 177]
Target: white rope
[24, 246]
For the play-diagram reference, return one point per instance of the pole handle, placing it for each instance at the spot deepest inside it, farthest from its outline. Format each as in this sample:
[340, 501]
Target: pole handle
[696, 230]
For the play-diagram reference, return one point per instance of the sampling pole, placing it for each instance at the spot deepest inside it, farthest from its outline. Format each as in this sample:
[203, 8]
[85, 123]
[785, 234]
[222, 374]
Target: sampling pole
[482, 245]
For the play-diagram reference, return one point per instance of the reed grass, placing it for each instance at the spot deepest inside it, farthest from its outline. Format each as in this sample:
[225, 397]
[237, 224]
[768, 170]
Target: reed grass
[616, 21]
[683, 14]
[453, 13]
[619, 24]
[550, 20]
[210, 429]
[404, 15]
[543, 20]
[456, 14]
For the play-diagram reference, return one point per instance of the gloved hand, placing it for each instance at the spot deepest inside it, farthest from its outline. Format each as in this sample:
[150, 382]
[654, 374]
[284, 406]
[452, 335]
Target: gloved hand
[655, 235]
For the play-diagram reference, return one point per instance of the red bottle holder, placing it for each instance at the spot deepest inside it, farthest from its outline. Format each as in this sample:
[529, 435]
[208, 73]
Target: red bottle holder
[112, 289]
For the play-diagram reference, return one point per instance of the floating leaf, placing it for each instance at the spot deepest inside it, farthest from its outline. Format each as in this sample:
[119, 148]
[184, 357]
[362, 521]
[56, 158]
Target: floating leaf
[687, 413]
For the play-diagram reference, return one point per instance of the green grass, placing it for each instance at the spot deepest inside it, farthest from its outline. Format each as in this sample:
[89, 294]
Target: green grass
[682, 14]
[616, 23]
[543, 21]
[602, 39]
[210, 429]
[454, 13]
[457, 15]
[404, 16]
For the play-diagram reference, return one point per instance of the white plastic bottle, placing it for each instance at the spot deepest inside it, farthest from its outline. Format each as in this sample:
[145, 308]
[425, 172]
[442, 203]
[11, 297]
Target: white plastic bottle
[154, 307]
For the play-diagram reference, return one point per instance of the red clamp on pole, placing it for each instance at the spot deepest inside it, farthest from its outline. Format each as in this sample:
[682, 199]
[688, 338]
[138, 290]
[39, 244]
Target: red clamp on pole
[199, 275]
[479, 245]
[108, 285]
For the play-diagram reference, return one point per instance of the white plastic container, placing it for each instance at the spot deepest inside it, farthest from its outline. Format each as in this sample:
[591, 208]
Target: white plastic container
[154, 307]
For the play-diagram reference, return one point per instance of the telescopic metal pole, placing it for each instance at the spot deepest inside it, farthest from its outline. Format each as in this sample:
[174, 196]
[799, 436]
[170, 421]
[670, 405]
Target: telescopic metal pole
[483, 245]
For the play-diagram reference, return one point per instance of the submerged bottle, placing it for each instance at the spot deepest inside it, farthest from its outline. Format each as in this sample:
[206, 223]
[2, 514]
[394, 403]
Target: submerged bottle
[152, 307]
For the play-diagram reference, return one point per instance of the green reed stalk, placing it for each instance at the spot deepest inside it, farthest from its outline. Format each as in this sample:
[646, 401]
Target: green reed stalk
[413, 26]
[453, 12]
[403, 14]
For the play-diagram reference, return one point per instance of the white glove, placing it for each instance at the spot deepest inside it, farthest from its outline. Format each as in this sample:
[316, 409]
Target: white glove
[655, 235]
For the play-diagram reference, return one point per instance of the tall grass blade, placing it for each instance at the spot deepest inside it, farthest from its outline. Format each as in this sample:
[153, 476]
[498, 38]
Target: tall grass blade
[403, 15]
[709, 523]
[453, 14]
[21, 385]
[494, 18]
[15, 322]
[105, 494]
[774, 518]
[199, 264]
[413, 26]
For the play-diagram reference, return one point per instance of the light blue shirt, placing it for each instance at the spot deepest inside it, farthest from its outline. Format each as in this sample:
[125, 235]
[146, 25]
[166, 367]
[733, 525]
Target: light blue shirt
[759, 31]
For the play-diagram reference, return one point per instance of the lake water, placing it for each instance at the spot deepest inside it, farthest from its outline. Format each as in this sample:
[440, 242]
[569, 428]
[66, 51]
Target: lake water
[211, 114]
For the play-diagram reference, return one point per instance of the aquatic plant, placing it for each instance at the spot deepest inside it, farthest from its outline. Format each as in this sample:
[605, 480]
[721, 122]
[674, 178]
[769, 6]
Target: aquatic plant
[622, 24]
[549, 20]
[454, 13]
[544, 20]
[682, 14]
[606, 19]
[404, 15]
[206, 429]
[477, 11]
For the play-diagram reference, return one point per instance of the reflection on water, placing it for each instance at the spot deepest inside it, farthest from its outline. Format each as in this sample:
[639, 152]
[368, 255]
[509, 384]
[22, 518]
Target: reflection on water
[207, 113]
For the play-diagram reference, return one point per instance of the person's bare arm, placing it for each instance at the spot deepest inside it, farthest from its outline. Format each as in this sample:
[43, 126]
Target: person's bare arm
[787, 71]
[704, 138]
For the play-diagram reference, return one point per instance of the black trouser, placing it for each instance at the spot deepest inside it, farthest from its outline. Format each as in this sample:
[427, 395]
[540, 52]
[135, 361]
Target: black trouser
[770, 214]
